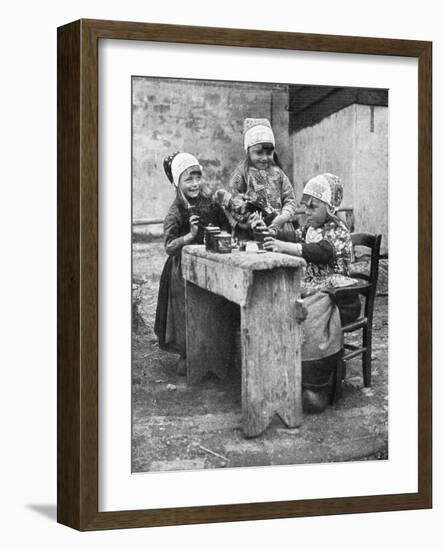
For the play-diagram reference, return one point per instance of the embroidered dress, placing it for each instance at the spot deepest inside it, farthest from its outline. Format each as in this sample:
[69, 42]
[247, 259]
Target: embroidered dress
[334, 239]
[328, 252]
[269, 190]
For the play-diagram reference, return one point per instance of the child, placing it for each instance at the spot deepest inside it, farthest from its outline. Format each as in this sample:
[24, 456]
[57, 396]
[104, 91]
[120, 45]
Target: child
[325, 243]
[259, 181]
[184, 224]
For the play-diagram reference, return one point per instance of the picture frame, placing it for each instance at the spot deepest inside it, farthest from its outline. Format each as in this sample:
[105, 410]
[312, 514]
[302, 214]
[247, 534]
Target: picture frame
[77, 276]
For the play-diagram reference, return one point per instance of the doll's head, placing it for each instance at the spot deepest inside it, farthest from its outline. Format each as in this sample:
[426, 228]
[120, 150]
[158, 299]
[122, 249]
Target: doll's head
[259, 142]
[185, 172]
[322, 196]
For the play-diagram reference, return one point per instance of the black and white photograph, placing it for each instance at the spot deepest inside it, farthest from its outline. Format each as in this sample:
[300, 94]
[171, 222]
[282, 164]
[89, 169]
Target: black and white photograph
[205, 206]
[259, 274]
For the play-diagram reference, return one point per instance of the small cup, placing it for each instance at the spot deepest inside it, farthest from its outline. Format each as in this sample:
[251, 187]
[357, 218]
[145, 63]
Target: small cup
[260, 237]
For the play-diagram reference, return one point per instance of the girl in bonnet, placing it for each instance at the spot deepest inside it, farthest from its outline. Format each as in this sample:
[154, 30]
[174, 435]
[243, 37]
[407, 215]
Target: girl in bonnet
[325, 243]
[184, 224]
[258, 184]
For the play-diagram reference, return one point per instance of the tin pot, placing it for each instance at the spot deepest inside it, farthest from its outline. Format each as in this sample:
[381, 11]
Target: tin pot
[222, 242]
[210, 232]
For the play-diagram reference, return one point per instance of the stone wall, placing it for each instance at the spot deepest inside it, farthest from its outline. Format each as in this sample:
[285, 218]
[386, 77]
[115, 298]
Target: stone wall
[204, 118]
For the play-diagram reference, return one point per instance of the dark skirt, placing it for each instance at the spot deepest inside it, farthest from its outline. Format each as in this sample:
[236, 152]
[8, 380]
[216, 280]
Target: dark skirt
[170, 320]
[317, 374]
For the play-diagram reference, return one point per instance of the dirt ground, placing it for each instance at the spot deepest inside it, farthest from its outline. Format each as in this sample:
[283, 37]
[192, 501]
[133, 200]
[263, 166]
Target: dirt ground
[181, 427]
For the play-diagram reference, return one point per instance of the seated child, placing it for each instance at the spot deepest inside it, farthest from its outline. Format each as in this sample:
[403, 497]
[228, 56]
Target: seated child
[188, 215]
[325, 243]
[258, 184]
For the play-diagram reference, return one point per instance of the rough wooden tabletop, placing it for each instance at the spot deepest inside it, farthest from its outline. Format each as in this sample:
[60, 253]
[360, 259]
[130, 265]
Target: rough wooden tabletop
[251, 261]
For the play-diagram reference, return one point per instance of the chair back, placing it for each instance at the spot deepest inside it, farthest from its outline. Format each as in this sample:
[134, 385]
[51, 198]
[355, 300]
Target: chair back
[368, 290]
[372, 242]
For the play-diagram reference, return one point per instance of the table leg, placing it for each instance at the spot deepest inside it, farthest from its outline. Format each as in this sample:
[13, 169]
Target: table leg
[208, 333]
[271, 352]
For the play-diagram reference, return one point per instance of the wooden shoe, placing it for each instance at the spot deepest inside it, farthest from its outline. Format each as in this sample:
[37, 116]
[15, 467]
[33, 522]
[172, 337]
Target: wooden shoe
[314, 402]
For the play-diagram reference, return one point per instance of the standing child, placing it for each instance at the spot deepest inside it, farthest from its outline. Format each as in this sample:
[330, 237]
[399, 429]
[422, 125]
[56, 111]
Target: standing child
[184, 224]
[259, 180]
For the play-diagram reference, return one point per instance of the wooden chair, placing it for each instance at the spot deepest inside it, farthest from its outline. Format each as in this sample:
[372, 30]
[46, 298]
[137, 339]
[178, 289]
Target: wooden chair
[366, 287]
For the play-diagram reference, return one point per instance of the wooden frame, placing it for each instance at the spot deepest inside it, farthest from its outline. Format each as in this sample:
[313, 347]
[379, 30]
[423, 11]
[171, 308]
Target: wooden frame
[77, 456]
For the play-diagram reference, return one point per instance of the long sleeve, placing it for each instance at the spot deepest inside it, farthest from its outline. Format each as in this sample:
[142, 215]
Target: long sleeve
[173, 231]
[237, 183]
[321, 252]
[290, 234]
[288, 197]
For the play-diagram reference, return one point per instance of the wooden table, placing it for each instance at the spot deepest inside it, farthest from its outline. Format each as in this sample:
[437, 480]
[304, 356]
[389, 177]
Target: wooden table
[266, 286]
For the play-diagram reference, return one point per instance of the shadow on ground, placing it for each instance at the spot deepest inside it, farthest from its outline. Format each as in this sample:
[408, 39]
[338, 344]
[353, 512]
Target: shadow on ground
[48, 511]
[181, 427]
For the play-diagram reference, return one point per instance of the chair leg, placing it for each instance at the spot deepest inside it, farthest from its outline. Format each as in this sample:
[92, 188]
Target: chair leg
[367, 356]
[339, 376]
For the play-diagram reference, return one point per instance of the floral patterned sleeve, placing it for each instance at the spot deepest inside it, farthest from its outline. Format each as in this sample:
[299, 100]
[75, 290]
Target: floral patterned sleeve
[288, 197]
[340, 238]
[237, 182]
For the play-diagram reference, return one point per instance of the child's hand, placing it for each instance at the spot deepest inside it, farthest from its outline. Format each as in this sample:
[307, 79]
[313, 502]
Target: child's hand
[273, 230]
[274, 245]
[256, 222]
[194, 221]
